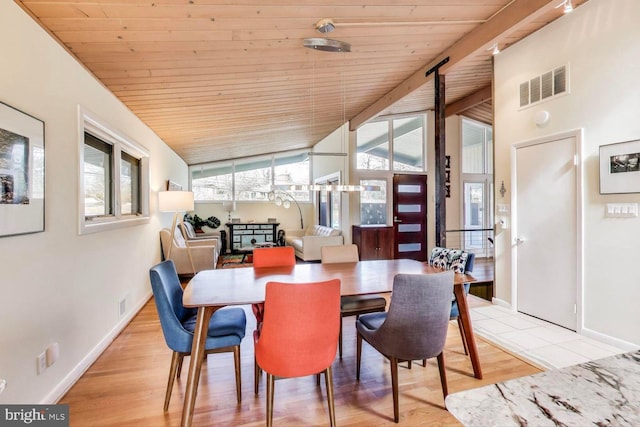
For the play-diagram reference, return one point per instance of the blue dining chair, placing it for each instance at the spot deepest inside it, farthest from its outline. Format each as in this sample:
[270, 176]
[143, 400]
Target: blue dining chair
[459, 261]
[226, 328]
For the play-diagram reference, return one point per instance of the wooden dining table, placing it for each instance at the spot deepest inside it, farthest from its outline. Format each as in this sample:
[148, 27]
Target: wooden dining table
[210, 290]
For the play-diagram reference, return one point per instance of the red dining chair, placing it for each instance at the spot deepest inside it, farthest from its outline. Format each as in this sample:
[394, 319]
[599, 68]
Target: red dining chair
[279, 256]
[299, 339]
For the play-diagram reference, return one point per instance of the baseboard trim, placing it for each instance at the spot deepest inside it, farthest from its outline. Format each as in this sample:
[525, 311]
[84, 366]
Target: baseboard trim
[612, 341]
[501, 303]
[74, 375]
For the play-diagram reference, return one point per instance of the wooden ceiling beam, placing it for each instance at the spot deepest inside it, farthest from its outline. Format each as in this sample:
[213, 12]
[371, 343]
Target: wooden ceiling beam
[516, 15]
[469, 101]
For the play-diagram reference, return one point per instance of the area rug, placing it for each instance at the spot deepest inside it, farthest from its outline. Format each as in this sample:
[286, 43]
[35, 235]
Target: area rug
[235, 261]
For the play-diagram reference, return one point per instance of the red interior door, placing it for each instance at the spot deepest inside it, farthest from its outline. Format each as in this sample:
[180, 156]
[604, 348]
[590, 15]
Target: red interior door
[410, 216]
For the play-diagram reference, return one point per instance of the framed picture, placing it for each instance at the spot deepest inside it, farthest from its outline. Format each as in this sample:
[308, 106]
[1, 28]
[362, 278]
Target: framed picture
[173, 186]
[21, 172]
[620, 168]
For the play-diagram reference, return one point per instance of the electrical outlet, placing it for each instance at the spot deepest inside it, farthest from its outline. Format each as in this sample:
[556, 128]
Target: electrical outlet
[41, 362]
[52, 353]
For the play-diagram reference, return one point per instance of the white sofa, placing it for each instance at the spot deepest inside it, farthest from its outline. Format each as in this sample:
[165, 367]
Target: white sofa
[307, 243]
[204, 252]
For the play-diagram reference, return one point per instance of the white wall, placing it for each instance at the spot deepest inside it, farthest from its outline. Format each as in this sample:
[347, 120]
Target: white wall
[599, 42]
[58, 286]
[337, 142]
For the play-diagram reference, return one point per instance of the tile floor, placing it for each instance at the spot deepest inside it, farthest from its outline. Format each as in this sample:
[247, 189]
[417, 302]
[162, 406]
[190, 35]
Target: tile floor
[545, 344]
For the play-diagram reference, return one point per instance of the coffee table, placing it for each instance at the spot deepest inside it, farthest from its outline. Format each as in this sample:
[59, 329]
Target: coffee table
[248, 250]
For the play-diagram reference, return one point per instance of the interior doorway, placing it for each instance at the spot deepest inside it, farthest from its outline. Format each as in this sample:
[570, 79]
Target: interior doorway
[545, 229]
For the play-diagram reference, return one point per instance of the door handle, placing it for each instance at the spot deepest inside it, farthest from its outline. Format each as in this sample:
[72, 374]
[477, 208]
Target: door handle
[395, 219]
[520, 240]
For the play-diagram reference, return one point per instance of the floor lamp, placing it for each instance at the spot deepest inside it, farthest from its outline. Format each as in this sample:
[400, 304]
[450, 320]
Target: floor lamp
[177, 202]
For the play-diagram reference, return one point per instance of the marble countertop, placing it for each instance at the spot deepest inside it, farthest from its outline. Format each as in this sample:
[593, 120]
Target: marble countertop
[603, 392]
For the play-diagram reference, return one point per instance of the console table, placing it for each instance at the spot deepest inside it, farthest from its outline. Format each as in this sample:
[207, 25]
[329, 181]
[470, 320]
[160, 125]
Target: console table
[242, 235]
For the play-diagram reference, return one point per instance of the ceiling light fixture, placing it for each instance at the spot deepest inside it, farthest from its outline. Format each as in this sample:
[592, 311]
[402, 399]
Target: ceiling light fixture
[494, 49]
[323, 187]
[325, 26]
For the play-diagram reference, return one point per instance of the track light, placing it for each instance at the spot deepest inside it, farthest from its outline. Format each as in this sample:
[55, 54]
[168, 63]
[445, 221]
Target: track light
[568, 7]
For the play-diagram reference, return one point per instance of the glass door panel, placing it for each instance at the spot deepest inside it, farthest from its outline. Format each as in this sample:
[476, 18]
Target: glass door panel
[477, 216]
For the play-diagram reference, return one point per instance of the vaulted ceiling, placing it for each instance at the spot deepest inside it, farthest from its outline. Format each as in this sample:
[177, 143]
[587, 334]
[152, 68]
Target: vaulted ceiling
[219, 79]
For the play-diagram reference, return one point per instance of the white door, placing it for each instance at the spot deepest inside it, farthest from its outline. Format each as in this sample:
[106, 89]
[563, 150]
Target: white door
[546, 231]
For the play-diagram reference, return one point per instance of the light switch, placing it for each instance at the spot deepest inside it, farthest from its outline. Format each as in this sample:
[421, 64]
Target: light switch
[621, 210]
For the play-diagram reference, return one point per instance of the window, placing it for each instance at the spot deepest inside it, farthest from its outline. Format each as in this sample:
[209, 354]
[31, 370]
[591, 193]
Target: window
[407, 147]
[113, 178]
[97, 177]
[373, 146]
[477, 147]
[384, 147]
[477, 185]
[373, 204]
[251, 178]
[129, 184]
[213, 181]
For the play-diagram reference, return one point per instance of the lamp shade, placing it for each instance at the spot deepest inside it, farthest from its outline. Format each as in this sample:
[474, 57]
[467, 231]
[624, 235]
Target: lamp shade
[175, 201]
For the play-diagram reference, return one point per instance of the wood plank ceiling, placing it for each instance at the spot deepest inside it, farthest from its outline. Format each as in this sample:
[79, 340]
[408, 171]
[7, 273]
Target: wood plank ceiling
[219, 79]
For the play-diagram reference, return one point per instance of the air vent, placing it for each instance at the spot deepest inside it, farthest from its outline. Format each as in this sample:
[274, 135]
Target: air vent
[547, 85]
[559, 80]
[543, 87]
[535, 89]
[524, 94]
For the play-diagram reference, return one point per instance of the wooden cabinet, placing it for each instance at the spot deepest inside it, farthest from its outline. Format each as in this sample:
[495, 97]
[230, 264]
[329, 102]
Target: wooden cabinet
[374, 242]
[247, 235]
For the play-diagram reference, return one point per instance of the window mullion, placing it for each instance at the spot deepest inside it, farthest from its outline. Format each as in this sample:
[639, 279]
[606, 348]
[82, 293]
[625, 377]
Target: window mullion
[116, 177]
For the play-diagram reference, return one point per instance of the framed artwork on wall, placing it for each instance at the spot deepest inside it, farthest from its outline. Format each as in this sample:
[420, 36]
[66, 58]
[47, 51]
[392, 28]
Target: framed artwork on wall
[173, 186]
[21, 172]
[620, 167]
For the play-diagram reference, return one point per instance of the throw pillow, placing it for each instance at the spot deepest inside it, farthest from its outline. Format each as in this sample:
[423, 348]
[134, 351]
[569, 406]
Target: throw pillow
[458, 260]
[439, 258]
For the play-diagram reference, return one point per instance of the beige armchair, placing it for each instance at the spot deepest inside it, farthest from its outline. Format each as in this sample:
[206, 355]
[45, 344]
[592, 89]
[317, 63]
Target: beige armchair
[189, 233]
[204, 252]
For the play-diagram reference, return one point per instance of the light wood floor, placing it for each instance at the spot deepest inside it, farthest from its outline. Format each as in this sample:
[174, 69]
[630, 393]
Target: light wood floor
[126, 385]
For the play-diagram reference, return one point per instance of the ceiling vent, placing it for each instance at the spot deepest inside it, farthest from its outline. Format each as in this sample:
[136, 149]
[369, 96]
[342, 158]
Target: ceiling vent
[543, 87]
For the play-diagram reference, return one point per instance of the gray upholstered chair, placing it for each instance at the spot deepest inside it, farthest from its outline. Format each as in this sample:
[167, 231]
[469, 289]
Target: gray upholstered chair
[351, 305]
[415, 327]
